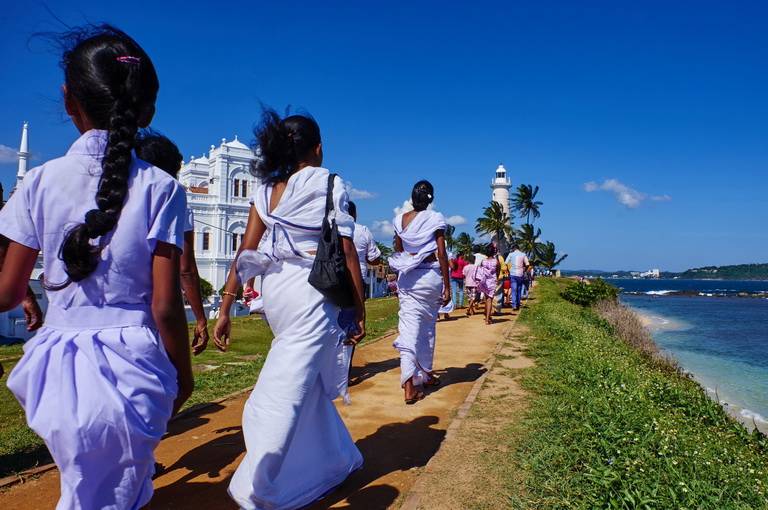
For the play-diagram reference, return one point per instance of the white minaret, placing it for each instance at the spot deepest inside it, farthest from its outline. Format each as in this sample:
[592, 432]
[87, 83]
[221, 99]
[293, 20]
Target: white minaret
[500, 186]
[23, 154]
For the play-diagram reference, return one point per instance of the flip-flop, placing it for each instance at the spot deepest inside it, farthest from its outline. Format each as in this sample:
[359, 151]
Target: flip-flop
[433, 381]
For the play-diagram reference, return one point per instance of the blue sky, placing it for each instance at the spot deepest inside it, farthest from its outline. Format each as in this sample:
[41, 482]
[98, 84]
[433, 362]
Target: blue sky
[659, 109]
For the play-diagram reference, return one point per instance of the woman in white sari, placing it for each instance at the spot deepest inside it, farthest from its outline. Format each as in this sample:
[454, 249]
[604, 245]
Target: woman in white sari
[298, 448]
[423, 287]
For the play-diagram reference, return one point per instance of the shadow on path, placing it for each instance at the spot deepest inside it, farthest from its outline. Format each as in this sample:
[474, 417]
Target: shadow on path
[393, 447]
[370, 369]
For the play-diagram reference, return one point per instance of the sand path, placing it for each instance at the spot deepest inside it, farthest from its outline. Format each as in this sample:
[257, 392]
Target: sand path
[202, 450]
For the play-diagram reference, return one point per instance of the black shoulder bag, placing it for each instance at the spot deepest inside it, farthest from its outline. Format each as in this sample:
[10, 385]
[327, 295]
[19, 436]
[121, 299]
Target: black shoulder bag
[329, 273]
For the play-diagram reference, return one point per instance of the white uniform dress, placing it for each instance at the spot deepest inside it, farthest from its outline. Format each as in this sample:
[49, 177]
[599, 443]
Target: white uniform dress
[95, 381]
[420, 286]
[298, 448]
[366, 248]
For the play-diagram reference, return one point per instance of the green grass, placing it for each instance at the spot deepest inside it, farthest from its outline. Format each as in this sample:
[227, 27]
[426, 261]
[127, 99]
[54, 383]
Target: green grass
[217, 374]
[609, 427]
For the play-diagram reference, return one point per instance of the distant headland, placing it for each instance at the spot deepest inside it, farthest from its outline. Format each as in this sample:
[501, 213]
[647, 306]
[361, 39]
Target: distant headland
[733, 272]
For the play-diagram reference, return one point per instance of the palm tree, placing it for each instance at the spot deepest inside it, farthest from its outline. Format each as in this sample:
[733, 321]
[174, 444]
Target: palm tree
[547, 256]
[385, 250]
[450, 242]
[524, 201]
[495, 222]
[464, 244]
[528, 240]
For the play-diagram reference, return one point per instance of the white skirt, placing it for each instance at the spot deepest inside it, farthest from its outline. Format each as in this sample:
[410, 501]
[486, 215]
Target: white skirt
[298, 448]
[420, 297]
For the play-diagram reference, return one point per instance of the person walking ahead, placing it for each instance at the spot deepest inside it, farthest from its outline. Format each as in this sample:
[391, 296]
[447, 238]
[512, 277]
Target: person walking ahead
[297, 447]
[518, 263]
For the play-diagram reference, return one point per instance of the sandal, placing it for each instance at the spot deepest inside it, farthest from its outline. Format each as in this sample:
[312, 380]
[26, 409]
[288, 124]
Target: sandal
[410, 401]
[432, 381]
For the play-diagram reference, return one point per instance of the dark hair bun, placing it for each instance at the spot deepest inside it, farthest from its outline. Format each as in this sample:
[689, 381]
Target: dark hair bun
[282, 144]
[422, 195]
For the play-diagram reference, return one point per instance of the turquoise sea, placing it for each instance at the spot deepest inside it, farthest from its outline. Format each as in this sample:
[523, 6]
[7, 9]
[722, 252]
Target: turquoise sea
[721, 339]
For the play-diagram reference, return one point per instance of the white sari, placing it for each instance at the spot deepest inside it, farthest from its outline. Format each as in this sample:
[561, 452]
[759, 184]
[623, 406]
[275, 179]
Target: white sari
[298, 448]
[420, 286]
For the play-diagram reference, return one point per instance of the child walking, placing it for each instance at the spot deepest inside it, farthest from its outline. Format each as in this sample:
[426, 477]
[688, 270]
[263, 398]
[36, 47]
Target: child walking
[96, 382]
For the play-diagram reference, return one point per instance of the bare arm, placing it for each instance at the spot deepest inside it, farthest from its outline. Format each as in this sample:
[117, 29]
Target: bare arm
[16, 264]
[190, 284]
[253, 234]
[168, 312]
[32, 312]
[442, 258]
[398, 243]
[353, 266]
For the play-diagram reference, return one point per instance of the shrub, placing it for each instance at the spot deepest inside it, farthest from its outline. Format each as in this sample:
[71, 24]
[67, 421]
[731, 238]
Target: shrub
[587, 293]
[206, 289]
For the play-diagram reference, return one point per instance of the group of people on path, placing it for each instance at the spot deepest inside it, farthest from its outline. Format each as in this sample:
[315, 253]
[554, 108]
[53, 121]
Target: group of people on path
[111, 363]
[491, 280]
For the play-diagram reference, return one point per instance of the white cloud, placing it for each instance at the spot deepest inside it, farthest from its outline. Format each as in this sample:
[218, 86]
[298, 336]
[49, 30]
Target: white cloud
[8, 154]
[626, 196]
[384, 227]
[456, 220]
[357, 194]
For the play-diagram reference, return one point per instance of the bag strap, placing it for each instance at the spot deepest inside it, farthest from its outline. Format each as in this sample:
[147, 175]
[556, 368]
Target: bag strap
[329, 195]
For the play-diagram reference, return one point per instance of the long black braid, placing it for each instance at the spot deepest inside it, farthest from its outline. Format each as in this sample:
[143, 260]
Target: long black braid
[115, 84]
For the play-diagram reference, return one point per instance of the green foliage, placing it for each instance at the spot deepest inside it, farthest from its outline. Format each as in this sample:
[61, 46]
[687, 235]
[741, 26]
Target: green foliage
[450, 241]
[608, 428]
[495, 222]
[589, 292]
[547, 255]
[386, 251]
[206, 289]
[528, 240]
[464, 243]
[737, 272]
[525, 203]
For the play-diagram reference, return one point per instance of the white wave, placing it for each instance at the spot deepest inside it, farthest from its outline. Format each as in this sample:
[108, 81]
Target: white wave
[659, 292]
[752, 416]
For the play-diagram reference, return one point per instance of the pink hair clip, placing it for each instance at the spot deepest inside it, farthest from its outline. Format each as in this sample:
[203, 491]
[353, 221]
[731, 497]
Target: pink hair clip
[127, 59]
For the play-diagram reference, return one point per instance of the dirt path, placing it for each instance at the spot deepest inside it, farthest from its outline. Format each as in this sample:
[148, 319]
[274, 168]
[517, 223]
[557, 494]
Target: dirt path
[201, 451]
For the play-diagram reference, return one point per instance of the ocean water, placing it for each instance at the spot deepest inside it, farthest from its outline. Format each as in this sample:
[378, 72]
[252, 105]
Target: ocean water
[721, 341]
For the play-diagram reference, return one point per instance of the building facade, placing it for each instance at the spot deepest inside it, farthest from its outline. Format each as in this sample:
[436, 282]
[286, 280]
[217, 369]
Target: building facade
[218, 189]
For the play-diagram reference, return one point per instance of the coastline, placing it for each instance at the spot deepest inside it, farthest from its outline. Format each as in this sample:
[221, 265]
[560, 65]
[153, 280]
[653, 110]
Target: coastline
[747, 417]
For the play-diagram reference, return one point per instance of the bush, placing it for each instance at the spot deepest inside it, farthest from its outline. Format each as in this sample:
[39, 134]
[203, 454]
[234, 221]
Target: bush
[206, 289]
[587, 293]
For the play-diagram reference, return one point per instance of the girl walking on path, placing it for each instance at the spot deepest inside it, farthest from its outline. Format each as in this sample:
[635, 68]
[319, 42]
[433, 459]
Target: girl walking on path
[161, 152]
[96, 382]
[298, 448]
[487, 277]
[423, 286]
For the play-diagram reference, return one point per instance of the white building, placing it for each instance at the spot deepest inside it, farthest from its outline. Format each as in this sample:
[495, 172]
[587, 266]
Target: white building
[218, 186]
[500, 188]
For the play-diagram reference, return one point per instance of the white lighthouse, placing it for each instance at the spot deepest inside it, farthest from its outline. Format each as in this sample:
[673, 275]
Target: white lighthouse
[23, 154]
[500, 188]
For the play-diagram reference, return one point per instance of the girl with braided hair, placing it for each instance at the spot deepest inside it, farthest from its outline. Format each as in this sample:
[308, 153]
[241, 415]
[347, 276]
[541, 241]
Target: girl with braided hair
[97, 383]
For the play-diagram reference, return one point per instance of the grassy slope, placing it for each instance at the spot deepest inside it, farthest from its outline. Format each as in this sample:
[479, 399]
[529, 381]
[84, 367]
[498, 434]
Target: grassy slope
[608, 428]
[217, 374]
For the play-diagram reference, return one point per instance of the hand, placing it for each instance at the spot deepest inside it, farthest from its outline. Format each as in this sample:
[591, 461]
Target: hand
[359, 335]
[221, 332]
[186, 385]
[200, 338]
[446, 295]
[32, 313]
